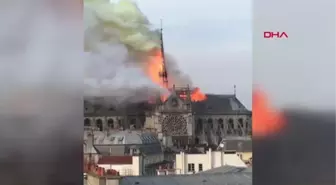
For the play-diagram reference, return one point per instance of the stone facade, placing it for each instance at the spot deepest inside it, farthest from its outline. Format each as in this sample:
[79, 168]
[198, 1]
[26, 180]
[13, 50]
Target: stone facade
[178, 119]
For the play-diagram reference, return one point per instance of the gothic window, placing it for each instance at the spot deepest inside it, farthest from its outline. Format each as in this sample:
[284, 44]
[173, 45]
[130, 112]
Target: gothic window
[87, 122]
[99, 124]
[110, 123]
[241, 123]
[240, 132]
[230, 126]
[210, 123]
[133, 123]
[231, 123]
[221, 123]
[197, 141]
[246, 124]
[199, 125]
[174, 125]
[174, 102]
[119, 123]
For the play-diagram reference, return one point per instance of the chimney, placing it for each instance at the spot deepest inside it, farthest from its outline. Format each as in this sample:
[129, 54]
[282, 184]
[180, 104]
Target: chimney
[210, 157]
[90, 139]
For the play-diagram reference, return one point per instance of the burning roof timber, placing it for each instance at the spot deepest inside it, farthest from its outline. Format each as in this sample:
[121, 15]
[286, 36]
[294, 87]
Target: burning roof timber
[214, 104]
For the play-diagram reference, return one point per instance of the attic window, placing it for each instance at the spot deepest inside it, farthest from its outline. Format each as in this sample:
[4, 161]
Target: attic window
[120, 139]
[174, 102]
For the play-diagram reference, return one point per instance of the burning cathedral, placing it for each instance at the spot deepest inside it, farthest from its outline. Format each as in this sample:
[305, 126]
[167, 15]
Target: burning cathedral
[185, 116]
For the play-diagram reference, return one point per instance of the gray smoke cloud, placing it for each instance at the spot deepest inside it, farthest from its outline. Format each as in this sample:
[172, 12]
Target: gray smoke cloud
[175, 75]
[120, 42]
[41, 72]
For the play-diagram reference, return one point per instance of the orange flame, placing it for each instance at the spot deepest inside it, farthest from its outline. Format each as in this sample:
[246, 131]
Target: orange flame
[153, 69]
[197, 95]
[265, 120]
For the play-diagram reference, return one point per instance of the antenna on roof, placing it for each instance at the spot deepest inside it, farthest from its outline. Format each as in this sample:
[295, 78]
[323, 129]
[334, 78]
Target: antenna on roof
[234, 90]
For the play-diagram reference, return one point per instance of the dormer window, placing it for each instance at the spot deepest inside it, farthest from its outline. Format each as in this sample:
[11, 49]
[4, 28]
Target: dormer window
[120, 140]
[174, 102]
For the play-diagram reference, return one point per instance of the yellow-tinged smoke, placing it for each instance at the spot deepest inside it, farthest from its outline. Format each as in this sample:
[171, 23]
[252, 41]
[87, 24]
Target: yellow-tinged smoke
[117, 22]
[118, 37]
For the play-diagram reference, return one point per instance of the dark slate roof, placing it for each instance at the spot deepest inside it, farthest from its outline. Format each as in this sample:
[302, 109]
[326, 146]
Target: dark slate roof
[233, 144]
[214, 104]
[227, 169]
[241, 178]
[97, 109]
[302, 153]
[219, 104]
[146, 149]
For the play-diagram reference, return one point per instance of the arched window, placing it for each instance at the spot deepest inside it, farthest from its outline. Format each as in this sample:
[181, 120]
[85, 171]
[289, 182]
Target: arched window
[241, 123]
[197, 141]
[87, 122]
[199, 124]
[133, 123]
[231, 123]
[120, 123]
[99, 124]
[110, 123]
[220, 123]
[210, 123]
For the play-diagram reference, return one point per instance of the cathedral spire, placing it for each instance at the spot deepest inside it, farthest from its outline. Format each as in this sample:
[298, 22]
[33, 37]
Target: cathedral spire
[234, 90]
[163, 74]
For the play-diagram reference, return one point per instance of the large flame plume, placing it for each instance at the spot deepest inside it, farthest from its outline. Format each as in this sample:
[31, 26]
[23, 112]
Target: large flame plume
[155, 66]
[266, 120]
[122, 29]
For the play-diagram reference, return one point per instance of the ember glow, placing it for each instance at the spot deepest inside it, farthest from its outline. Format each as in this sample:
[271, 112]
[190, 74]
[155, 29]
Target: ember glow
[153, 69]
[266, 121]
[197, 95]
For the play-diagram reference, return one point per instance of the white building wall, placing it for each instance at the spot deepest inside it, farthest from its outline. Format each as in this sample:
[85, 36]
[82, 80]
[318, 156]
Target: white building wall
[126, 169]
[209, 160]
[136, 168]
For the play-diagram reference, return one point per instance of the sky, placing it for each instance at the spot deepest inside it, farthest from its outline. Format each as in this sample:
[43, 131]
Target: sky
[298, 72]
[211, 40]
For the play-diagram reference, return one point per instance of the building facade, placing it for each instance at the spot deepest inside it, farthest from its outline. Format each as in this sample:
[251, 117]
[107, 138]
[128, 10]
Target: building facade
[128, 152]
[190, 163]
[177, 120]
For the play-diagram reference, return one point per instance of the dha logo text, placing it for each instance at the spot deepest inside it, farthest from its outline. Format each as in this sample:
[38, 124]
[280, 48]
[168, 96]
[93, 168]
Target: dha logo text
[271, 35]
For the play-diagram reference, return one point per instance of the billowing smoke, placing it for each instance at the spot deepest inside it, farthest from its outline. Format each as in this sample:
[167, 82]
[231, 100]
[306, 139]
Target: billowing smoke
[41, 78]
[175, 75]
[120, 42]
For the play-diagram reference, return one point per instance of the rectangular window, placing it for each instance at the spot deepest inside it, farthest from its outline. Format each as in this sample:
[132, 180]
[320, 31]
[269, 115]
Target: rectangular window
[191, 167]
[200, 167]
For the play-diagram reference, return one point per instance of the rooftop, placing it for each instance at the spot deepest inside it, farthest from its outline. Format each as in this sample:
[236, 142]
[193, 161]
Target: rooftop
[115, 160]
[122, 137]
[214, 104]
[224, 175]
